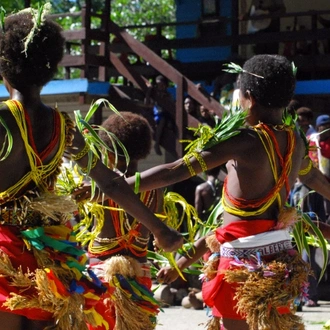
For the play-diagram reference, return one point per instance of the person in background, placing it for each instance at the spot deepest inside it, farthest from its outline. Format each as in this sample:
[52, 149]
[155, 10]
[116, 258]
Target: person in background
[191, 107]
[311, 202]
[208, 117]
[208, 193]
[293, 106]
[320, 151]
[263, 161]
[44, 277]
[163, 109]
[305, 120]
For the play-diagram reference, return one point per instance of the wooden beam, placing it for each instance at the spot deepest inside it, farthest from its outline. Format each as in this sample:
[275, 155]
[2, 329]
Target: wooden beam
[74, 34]
[73, 61]
[129, 73]
[167, 70]
[180, 117]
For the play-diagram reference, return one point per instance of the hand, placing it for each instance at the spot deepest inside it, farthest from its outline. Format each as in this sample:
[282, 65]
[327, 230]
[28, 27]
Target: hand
[167, 275]
[168, 239]
[82, 193]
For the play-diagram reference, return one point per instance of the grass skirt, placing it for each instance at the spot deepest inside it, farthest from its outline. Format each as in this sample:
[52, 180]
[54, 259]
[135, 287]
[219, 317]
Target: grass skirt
[269, 291]
[129, 300]
[48, 278]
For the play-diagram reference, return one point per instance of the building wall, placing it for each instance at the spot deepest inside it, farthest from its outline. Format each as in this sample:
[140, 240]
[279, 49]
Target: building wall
[191, 10]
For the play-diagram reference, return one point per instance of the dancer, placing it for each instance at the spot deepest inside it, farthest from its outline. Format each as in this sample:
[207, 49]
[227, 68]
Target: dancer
[42, 268]
[119, 243]
[263, 161]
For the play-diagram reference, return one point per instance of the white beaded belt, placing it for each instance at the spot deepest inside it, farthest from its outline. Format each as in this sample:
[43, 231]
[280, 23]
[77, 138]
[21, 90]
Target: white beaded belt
[265, 244]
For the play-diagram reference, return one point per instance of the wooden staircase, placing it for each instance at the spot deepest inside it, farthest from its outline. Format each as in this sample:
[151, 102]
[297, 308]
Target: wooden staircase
[96, 63]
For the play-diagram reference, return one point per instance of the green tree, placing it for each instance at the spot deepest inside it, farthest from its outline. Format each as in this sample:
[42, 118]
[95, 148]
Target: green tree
[123, 12]
[143, 12]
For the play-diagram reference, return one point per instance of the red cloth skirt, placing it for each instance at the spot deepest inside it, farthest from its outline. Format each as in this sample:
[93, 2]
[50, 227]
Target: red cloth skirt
[217, 293]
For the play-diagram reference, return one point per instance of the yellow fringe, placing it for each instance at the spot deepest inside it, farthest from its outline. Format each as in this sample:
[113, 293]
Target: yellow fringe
[38, 174]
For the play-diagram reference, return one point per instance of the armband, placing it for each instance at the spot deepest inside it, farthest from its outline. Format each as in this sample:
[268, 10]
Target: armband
[200, 160]
[188, 164]
[81, 153]
[307, 169]
[137, 182]
[94, 161]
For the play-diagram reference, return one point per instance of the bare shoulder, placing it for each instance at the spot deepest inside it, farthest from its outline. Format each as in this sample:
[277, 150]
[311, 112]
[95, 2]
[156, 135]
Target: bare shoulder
[246, 142]
[237, 147]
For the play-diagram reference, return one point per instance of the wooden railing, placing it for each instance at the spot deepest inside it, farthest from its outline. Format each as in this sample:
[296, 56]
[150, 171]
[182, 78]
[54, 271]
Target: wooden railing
[99, 57]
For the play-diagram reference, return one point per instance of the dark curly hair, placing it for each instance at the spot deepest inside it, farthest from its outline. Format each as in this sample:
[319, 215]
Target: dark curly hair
[132, 130]
[276, 88]
[38, 64]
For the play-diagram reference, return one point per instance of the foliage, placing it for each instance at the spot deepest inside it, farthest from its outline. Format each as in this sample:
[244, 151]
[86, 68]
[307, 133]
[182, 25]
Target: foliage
[143, 12]
[123, 13]
[314, 238]
[207, 137]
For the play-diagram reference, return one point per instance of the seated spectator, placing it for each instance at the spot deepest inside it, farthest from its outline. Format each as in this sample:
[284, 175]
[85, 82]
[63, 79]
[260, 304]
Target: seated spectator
[208, 117]
[191, 107]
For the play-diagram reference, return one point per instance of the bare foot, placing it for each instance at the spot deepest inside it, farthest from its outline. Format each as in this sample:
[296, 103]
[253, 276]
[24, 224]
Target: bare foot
[169, 240]
[195, 303]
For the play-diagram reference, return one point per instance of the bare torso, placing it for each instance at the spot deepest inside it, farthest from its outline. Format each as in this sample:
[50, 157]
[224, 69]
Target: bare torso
[250, 175]
[16, 165]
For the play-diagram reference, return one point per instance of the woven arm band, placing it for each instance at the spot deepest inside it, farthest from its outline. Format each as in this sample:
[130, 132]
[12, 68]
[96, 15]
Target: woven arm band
[199, 159]
[81, 153]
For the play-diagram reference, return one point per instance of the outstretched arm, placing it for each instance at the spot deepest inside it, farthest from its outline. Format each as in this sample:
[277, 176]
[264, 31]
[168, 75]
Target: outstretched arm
[116, 188]
[161, 176]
